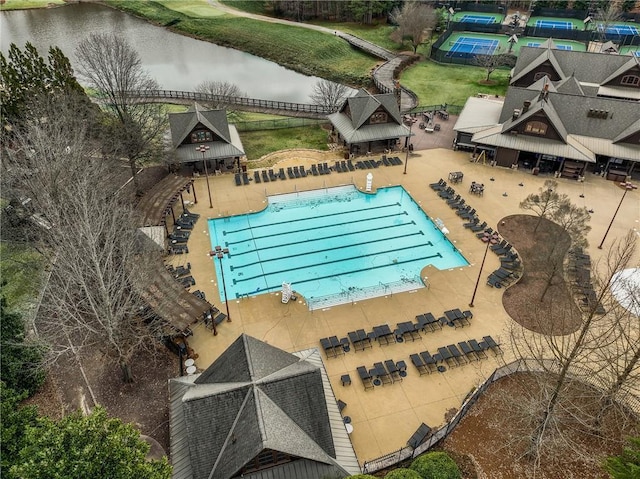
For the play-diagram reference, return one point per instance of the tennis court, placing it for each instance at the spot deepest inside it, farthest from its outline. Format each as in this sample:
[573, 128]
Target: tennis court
[554, 24]
[559, 47]
[483, 19]
[619, 29]
[479, 46]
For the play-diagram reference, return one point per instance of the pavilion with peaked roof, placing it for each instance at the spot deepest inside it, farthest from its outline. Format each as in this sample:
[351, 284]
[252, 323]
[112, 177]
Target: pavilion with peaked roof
[258, 412]
[369, 123]
[198, 126]
[565, 113]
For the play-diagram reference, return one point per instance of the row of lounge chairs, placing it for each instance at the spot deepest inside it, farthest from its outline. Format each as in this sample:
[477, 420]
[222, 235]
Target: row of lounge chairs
[382, 374]
[181, 232]
[406, 331]
[580, 273]
[510, 263]
[454, 356]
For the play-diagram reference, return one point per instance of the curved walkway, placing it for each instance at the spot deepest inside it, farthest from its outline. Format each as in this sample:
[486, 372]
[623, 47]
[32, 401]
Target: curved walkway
[383, 75]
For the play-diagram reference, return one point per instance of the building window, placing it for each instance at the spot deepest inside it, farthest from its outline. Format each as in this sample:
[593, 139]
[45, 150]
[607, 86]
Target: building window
[379, 117]
[630, 80]
[539, 75]
[200, 136]
[536, 127]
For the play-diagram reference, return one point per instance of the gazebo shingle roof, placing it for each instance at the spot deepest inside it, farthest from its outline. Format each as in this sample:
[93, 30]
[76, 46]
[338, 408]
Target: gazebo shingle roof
[253, 398]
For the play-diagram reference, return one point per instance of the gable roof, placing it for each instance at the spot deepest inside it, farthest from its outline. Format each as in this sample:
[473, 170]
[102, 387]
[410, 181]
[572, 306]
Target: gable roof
[182, 124]
[253, 397]
[570, 86]
[626, 133]
[541, 106]
[625, 67]
[570, 62]
[361, 106]
[535, 58]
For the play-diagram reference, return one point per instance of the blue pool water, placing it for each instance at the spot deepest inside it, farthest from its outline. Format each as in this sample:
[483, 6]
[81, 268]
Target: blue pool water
[333, 245]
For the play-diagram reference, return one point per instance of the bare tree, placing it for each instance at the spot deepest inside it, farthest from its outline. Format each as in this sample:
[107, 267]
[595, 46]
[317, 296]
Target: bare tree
[135, 126]
[412, 20]
[491, 63]
[555, 416]
[97, 262]
[605, 17]
[219, 94]
[543, 203]
[329, 95]
[620, 361]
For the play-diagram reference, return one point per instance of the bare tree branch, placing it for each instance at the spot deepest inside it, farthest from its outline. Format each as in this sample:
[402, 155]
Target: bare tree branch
[329, 95]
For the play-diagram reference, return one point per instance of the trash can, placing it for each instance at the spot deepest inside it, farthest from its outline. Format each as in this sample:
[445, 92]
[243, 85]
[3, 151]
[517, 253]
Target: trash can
[535, 171]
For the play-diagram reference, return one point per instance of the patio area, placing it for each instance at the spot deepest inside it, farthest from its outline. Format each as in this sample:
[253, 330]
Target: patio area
[385, 417]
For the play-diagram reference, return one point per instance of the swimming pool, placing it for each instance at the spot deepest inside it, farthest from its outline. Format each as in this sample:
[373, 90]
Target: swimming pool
[334, 246]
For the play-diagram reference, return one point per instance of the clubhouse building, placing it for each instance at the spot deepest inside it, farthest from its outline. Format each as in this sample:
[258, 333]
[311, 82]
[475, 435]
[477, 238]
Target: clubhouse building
[565, 113]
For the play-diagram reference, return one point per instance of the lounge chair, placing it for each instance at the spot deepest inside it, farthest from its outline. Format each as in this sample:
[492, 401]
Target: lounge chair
[245, 178]
[365, 377]
[468, 351]
[256, 176]
[281, 174]
[485, 232]
[350, 165]
[455, 199]
[314, 170]
[382, 373]
[303, 172]
[493, 345]
[290, 173]
[494, 281]
[327, 347]
[418, 437]
[478, 348]
[272, 175]
[393, 371]
[187, 281]
[480, 227]
[265, 176]
[296, 172]
[220, 317]
[419, 364]
[439, 185]
[472, 222]
[429, 361]
[457, 355]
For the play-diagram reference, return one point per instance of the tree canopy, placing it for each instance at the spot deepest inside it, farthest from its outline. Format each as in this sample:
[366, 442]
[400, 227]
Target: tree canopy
[86, 447]
[25, 74]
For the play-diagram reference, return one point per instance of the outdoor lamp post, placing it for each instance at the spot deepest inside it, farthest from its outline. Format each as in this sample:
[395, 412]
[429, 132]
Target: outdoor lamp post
[411, 121]
[627, 187]
[203, 149]
[220, 252]
[480, 273]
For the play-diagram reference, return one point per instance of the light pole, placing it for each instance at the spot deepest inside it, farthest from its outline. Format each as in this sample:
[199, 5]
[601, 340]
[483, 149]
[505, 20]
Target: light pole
[627, 187]
[203, 149]
[480, 272]
[220, 252]
[411, 121]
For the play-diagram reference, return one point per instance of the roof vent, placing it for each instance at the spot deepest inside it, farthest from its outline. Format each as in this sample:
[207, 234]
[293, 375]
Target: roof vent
[516, 114]
[525, 106]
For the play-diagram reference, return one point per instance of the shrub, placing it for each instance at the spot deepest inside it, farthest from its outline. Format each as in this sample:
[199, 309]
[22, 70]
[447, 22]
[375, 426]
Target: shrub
[362, 476]
[436, 465]
[402, 473]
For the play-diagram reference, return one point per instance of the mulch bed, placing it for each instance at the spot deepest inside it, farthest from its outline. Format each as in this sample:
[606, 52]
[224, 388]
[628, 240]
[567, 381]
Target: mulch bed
[524, 300]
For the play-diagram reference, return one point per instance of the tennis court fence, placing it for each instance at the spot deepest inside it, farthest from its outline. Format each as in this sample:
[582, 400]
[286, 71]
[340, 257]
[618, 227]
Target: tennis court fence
[558, 34]
[630, 401]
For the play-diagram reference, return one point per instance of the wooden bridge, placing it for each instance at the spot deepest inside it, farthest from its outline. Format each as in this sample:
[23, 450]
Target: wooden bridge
[383, 78]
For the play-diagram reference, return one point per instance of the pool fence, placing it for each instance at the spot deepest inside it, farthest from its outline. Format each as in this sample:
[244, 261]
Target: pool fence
[630, 401]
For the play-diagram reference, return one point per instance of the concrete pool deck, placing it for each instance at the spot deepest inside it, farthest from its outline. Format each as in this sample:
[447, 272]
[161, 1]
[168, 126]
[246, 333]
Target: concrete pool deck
[384, 418]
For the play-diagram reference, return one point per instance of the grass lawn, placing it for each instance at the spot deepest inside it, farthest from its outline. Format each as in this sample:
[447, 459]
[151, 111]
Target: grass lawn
[259, 143]
[22, 4]
[452, 84]
[193, 8]
[22, 269]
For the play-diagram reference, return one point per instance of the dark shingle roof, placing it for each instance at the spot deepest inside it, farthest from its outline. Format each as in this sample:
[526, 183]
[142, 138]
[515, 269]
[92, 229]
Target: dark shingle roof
[572, 112]
[569, 62]
[253, 397]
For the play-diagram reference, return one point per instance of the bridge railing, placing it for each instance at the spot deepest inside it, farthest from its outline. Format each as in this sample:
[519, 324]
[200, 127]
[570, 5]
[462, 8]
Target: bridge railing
[232, 100]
